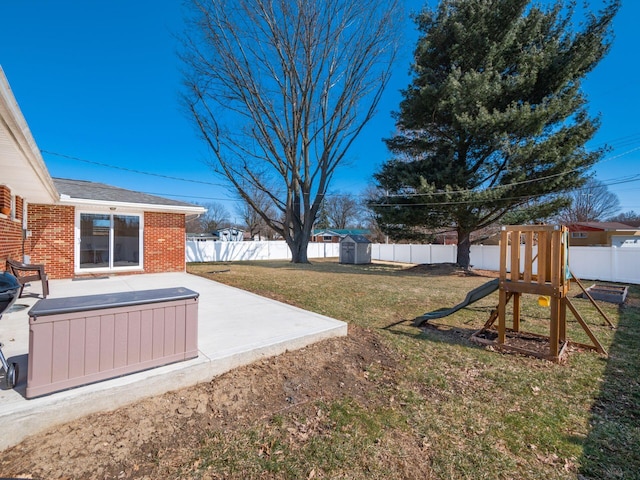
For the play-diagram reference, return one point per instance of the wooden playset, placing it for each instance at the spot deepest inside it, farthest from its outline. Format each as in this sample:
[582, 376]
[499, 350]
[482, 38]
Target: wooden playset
[534, 259]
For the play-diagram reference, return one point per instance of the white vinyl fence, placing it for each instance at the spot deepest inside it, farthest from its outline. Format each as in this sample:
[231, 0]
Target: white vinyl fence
[414, 253]
[609, 264]
[212, 251]
[593, 263]
[606, 263]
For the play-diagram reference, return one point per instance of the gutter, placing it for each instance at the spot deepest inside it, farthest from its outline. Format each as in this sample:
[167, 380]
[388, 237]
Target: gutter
[147, 207]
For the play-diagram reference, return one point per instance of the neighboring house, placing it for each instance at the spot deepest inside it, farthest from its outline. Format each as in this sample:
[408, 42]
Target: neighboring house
[334, 235]
[77, 227]
[581, 234]
[230, 235]
[603, 234]
[203, 237]
[223, 235]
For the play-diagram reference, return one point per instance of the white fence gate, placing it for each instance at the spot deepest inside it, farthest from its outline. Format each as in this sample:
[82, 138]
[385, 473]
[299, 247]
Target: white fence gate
[594, 263]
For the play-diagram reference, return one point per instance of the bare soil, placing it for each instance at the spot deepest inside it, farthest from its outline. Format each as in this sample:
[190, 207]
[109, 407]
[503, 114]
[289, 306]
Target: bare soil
[157, 437]
[450, 269]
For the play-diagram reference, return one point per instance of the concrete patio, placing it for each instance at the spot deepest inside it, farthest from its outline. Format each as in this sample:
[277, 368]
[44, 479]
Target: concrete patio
[234, 328]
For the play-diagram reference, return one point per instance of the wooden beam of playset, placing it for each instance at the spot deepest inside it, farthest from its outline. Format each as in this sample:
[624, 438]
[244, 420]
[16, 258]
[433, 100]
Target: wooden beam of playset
[592, 300]
[551, 282]
[585, 327]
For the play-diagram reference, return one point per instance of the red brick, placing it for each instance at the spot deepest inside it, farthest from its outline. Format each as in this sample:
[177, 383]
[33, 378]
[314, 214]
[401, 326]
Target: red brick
[164, 242]
[11, 244]
[52, 239]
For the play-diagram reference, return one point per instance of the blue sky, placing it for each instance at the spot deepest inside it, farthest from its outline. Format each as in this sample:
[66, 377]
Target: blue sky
[99, 81]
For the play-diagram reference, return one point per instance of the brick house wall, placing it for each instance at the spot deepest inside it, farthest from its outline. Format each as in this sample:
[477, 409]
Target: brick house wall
[164, 242]
[51, 241]
[11, 244]
[10, 227]
[52, 238]
[321, 239]
[5, 197]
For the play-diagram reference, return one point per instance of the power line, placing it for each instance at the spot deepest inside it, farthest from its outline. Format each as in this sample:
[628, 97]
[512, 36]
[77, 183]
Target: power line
[634, 178]
[141, 172]
[632, 138]
[194, 196]
[515, 184]
[622, 141]
[153, 174]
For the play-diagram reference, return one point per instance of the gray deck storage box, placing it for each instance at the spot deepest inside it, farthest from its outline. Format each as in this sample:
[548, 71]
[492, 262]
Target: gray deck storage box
[78, 340]
[355, 249]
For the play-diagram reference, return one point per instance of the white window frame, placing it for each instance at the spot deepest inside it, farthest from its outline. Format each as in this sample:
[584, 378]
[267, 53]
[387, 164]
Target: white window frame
[110, 269]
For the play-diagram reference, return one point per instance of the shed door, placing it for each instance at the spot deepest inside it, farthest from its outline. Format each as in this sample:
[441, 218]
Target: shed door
[348, 252]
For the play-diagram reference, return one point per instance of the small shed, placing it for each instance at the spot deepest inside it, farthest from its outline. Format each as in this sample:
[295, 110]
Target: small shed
[355, 249]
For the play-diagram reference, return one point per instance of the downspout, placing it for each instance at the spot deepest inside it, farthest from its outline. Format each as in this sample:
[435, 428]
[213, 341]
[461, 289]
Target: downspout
[193, 216]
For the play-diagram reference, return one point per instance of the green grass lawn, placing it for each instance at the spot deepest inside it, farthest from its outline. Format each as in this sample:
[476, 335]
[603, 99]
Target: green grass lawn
[460, 410]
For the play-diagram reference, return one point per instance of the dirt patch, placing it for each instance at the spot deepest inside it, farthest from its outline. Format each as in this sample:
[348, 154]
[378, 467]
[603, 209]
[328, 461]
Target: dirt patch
[155, 437]
[449, 269]
[535, 345]
[438, 269]
[485, 273]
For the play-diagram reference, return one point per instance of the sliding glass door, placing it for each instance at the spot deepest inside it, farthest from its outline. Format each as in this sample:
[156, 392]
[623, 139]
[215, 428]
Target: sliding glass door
[109, 241]
[126, 240]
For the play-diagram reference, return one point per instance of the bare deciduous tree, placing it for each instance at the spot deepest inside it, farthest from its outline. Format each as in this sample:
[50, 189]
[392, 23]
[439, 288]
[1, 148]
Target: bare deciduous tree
[591, 203]
[252, 219]
[214, 218]
[369, 216]
[630, 218]
[343, 211]
[279, 90]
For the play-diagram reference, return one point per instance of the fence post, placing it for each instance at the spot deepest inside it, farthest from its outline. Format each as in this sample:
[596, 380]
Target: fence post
[614, 259]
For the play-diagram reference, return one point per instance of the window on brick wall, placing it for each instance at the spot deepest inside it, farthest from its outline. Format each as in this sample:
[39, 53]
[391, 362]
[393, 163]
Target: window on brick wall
[111, 241]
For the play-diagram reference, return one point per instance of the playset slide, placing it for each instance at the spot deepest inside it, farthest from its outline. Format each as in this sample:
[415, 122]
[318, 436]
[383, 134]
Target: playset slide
[473, 296]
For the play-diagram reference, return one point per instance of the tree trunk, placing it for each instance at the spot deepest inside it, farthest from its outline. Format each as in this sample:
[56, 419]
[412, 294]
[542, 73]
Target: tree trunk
[298, 248]
[298, 242]
[463, 258]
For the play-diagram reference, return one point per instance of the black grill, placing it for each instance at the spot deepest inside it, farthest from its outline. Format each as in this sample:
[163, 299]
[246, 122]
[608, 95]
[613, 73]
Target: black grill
[9, 292]
[9, 288]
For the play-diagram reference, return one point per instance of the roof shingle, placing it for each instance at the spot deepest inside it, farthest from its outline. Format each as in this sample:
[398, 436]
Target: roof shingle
[82, 189]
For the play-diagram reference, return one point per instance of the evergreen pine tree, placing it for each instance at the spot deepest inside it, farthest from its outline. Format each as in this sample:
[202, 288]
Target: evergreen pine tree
[494, 124]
